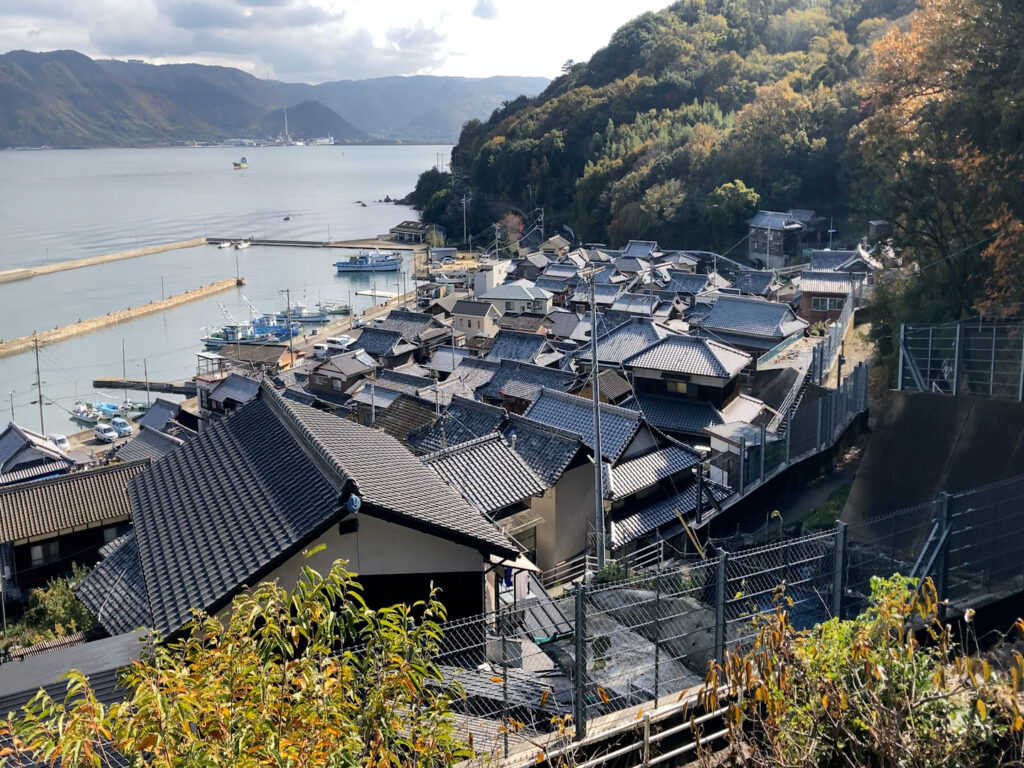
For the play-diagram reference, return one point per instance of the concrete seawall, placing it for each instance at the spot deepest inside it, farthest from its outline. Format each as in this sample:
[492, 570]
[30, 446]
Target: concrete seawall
[62, 333]
[24, 273]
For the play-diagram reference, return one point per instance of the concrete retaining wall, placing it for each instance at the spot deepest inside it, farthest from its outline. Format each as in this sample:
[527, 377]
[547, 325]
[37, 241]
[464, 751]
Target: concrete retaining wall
[61, 333]
[24, 273]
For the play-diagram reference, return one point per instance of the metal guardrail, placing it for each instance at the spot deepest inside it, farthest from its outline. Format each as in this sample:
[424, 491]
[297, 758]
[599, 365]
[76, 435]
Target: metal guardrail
[776, 350]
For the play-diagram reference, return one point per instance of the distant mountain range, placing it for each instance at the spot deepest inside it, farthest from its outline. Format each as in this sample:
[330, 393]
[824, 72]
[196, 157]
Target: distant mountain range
[66, 99]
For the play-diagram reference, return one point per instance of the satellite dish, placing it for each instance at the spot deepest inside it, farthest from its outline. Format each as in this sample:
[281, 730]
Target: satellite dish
[353, 504]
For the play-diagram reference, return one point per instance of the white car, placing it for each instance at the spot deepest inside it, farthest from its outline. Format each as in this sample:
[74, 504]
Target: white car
[339, 342]
[61, 441]
[104, 433]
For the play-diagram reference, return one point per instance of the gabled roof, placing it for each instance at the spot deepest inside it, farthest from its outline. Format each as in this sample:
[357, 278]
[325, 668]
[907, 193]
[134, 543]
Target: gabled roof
[520, 290]
[642, 472]
[834, 283]
[115, 590]
[562, 324]
[691, 355]
[636, 304]
[561, 269]
[351, 363]
[399, 382]
[48, 507]
[463, 420]
[149, 443]
[612, 385]
[255, 487]
[604, 293]
[381, 342]
[519, 346]
[538, 260]
[412, 325]
[752, 316]
[475, 372]
[687, 283]
[555, 284]
[235, 387]
[159, 413]
[641, 248]
[755, 282]
[547, 450]
[625, 340]
[473, 308]
[445, 359]
[677, 414]
[631, 265]
[534, 377]
[487, 472]
[404, 415]
[20, 444]
[575, 415]
[774, 220]
[556, 241]
[665, 511]
[527, 322]
[441, 394]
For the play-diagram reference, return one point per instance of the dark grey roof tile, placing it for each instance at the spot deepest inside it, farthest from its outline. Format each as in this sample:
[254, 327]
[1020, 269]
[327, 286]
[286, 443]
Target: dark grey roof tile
[575, 415]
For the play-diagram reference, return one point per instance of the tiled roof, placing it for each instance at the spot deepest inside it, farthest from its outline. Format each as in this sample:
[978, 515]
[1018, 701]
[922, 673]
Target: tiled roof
[753, 316]
[256, 486]
[546, 449]
[442, 394]
[464, 420]
[241, 389]
[635, 303]
[755, 282]
[677, 414]
[686, 282]
[159, 413]
[538, 260]
[45, 507]
[562, 324]
[472, 308]
[487, 472]
[510, 371]
[631, 264]
[656, 514]
[401, 382]
[380, 342]
[445, 359]
[775, 220]
[350, 363]
[555, 284]
[826, 260]
[16, 441]
[149, 443]
[410, 324]
[575, 415]
[690, 355]
[115, 590]
[625, 340]
[826, 282]
[612, 385]
[561, 269]
[527, 322]
[640, 248]
[405, 414]
[604, 293]
[475, 372]
[520, 290]
[517, 345]
[650, 469]
[412, 368]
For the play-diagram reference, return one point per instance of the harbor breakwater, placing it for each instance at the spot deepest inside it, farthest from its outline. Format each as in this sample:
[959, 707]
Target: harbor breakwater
[61, 333]
[24, 273]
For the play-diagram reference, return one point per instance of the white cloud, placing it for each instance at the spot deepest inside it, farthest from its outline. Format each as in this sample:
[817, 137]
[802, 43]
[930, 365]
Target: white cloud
[317, 40]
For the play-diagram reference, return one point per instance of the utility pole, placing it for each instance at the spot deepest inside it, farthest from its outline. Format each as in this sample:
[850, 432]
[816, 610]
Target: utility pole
[595, 387]
[145, 372]
[11, 394]
[124, 372]
[463, 217]
[39, 386]
[497, 237]
[831, 231]
[288, 319]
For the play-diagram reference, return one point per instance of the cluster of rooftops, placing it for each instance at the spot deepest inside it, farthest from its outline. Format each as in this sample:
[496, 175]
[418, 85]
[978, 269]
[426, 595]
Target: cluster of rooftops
[466, 428]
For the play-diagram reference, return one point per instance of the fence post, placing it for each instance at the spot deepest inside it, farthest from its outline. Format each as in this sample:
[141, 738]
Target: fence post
[657, 631]
[818, 441]
[945, 515]
[720, 578]
[839, 569]
[763, 430]
[647, 740]
[789, 428]
[504, 688]
[580, 713]
[956, 359]
[743, 463]
[899, 375]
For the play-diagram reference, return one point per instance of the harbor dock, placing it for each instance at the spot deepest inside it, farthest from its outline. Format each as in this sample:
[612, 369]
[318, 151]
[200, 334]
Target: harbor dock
[24, 273]
[61, 333]
[163, 387]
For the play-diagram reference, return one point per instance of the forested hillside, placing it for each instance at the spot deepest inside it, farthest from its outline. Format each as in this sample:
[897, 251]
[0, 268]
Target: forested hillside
[687, 120]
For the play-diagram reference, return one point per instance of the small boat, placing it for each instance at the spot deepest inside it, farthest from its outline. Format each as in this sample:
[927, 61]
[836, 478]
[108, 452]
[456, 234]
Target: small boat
[288, 218]
[336, 309]
[225, 244]
[107, 410]
[84, 413]
[241, 244]
[130, 406]
[301, 313]
[241, 164]
[237, 333]
[378, 261]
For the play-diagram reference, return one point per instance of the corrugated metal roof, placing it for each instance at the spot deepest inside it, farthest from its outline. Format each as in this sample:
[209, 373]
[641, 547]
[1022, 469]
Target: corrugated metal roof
[690, 355]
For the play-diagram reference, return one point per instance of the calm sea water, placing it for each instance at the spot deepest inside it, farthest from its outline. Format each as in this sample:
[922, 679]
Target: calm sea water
[59, 205]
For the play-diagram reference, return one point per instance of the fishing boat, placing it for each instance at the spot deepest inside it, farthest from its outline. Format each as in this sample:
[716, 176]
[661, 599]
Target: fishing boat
[133, 406]
[237, 333]
[335, 309]
[85, 413]
[241, 164]
[241, 244]
[275, 326]
[107, 410]
[299, 312]
[225, 244]
[365, 261]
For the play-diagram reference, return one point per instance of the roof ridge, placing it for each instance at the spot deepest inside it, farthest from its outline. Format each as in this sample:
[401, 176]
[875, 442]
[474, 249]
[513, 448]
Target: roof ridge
[458, 448]
[605, 407]
[110, 469]
[541, 426]
[307, 441]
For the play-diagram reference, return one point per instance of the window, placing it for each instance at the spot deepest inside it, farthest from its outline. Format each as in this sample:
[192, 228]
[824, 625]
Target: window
[321, 380]
[337, 385]
[677, 387]
[479, 324]
[823, 304]
[509, 306]
[45, 553]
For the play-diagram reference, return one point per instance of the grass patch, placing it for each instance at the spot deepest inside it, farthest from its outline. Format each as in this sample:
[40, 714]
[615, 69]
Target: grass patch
[826, 515]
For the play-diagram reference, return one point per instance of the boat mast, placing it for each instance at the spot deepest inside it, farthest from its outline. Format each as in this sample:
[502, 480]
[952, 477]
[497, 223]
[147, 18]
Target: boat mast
[145, 372]
[124, 372]
[39, 386]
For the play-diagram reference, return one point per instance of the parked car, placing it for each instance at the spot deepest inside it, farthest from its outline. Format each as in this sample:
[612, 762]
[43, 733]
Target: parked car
[339, 343]
[435, 264]
[448, 260]
[104, 433]
[61, 441]
[359, 323]
[121, 426]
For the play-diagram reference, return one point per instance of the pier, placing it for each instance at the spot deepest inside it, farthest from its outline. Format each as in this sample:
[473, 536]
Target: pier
[166, 387]
[24, 273]
[61, 333]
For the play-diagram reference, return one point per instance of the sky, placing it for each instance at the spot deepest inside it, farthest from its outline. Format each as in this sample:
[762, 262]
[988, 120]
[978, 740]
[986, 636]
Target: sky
[319, 40]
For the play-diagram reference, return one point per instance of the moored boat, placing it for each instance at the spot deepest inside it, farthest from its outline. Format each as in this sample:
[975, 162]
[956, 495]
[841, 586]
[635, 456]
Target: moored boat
[241, 164]
[237, 333]
[336, 309]
[224, 244]
[365, 261]
[85, 413]
[299, 312]
[242, 244]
